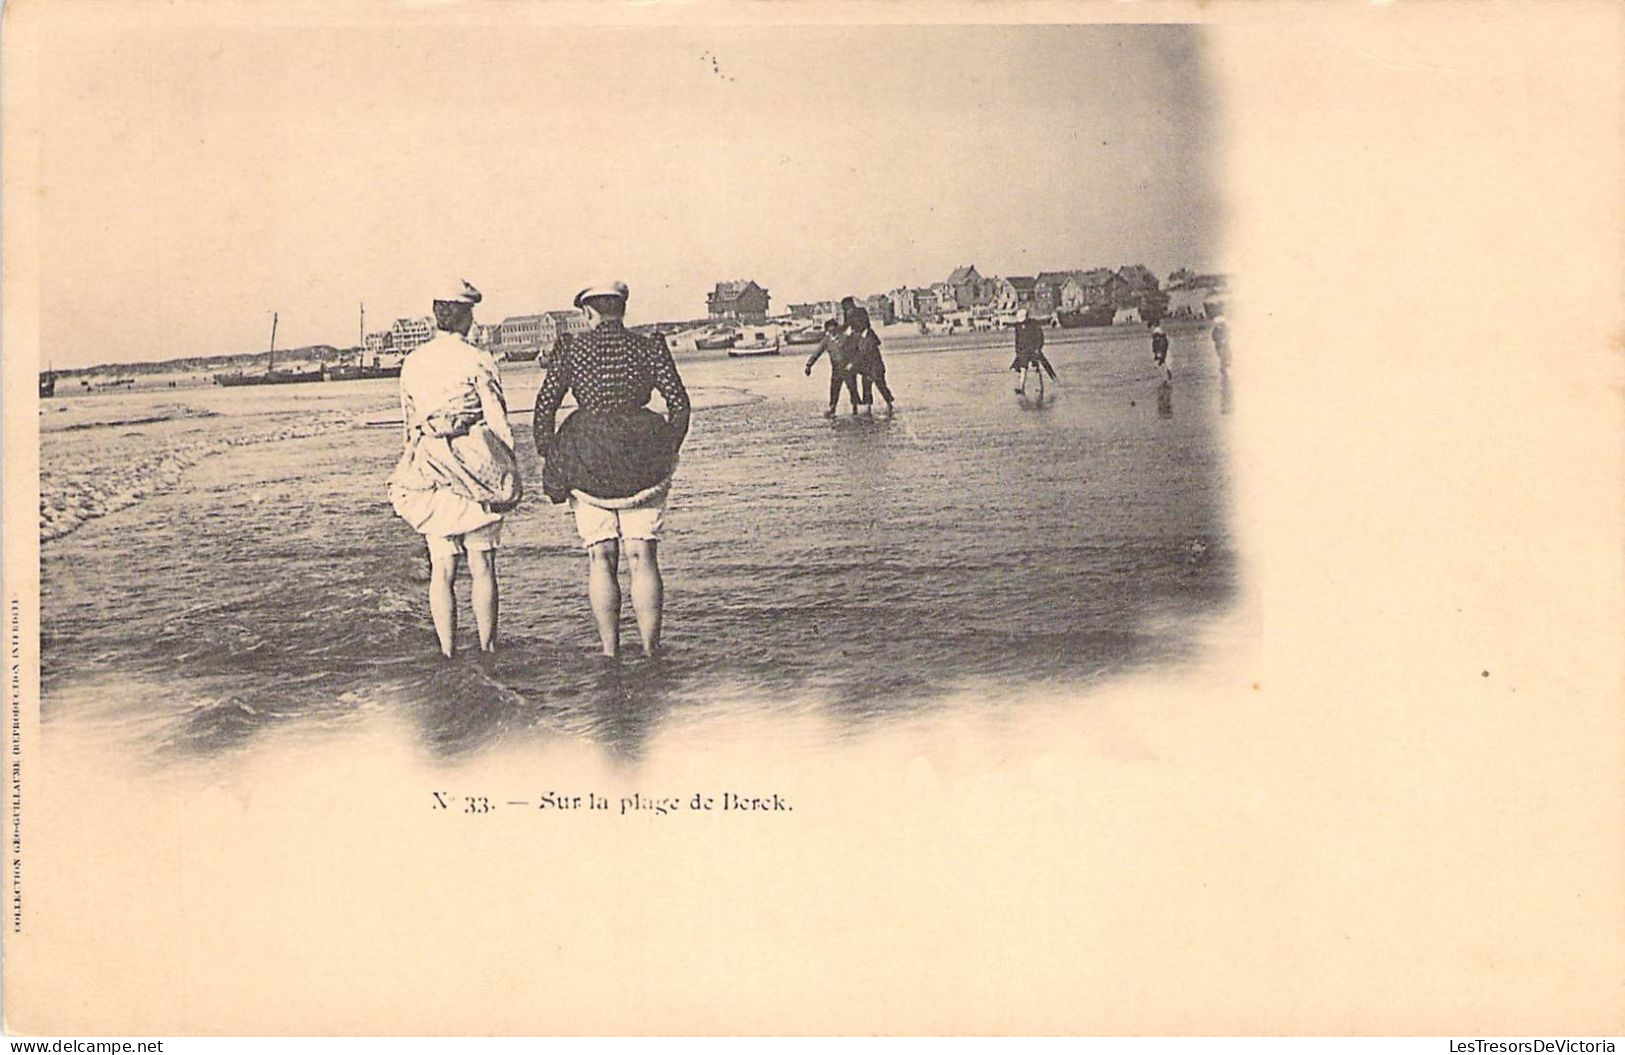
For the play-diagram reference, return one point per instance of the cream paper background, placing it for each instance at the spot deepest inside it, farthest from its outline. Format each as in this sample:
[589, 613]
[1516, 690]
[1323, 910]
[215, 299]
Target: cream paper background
[1389, 802]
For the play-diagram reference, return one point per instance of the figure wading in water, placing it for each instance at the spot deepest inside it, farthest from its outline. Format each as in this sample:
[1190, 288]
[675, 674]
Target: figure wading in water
[612, 459]
[867, 362]
[839, 348]
[1030, 353]
[1159, 352]
[458, 473]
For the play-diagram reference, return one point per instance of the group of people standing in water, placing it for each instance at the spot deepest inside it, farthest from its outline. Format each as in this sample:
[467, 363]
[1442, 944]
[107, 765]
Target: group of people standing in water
[610, 462]
[853, 348]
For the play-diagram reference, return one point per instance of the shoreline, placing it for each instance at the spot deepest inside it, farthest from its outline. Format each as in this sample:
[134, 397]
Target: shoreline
[900, 341]
[81, 480]
[80, 487]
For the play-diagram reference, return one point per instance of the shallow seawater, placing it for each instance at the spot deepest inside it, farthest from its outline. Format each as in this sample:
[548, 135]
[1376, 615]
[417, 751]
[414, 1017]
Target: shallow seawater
[255, 584]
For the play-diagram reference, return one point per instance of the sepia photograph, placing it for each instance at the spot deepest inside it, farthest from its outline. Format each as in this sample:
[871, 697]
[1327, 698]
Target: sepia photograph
[937, 345]
[643, 521]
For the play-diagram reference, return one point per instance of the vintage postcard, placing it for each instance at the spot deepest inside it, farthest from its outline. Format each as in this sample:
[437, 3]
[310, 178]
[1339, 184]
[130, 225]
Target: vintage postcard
[1033, 518]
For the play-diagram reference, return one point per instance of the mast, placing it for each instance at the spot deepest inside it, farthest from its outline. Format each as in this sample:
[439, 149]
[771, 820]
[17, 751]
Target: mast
[270, 359]
[361, 331]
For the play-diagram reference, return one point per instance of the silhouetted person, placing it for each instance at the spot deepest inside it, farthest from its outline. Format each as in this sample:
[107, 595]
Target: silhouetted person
[1159, 352]
[866, 358]
[1030, 351]
[839, 347]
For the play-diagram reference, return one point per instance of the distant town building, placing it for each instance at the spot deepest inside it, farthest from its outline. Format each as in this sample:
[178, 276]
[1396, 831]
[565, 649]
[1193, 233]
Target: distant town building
[1188, 302]
[380, 343]
[1103, 286]
[1044, 302]
[1049, 288]
[486, 336]
[966, 289]
[741, 300]
[569, 320]
[880, 309]
[971, 290]
[821, 309]
[407, 334]
[524, 337]
[1018, 292]
[968, 320]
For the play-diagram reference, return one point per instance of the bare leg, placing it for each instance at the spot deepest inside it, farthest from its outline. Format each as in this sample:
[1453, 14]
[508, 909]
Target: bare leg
[604, 593]
[442, 600]
[482, 568]
[648, 591]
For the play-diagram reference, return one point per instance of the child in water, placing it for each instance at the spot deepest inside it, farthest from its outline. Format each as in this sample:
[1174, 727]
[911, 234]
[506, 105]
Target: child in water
[839, 348]
[1159, 352]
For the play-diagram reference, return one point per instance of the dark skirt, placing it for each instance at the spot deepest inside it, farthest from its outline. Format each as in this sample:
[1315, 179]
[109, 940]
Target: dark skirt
[608, 454]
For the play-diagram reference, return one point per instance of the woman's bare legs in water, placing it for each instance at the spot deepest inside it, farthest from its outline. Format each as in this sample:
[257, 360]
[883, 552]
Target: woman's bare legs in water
[482, 568]
[442, 599]
[648, 591]
[604, 592]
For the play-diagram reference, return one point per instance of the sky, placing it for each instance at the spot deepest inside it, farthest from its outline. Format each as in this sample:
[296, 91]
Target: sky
[196, 179]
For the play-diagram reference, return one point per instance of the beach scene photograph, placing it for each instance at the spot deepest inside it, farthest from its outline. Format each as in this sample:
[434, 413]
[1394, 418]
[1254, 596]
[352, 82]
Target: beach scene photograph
[813, 519]
[490, 470]
[233, 287]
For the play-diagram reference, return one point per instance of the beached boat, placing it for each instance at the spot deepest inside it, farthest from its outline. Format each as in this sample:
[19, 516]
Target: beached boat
[760, 342]
[272, 376]
[360, 371]
[712, 342]
[1094, 315]
[806, 335]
